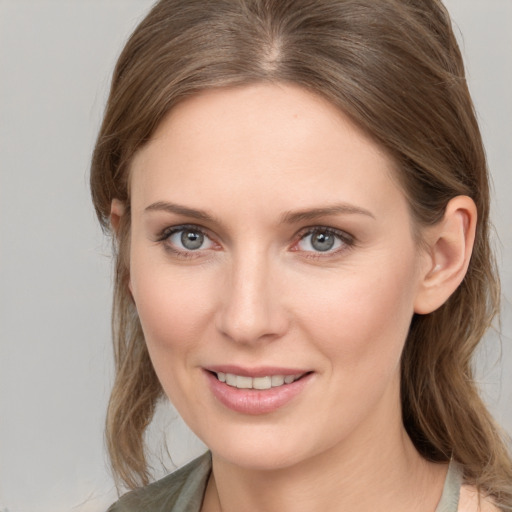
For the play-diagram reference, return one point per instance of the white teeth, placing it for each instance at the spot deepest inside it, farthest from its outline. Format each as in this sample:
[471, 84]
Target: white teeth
[243, 382]
[262, 382]
[231, 379]
[277, 380]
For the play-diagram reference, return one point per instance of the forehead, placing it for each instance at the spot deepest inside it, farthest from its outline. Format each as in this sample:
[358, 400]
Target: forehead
[261, 144]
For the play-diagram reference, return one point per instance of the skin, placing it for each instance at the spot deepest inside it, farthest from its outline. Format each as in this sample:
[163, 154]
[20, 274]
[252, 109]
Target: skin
[257, 293]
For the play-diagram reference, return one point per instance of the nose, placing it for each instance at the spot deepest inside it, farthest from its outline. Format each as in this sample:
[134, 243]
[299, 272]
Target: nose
[251, 306]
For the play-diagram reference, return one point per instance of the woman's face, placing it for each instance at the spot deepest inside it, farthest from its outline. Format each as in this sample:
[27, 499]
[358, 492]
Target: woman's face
[269, 244]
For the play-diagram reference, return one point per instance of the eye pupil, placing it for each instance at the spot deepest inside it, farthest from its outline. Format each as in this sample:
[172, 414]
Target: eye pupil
[322, 241]
[192, 240]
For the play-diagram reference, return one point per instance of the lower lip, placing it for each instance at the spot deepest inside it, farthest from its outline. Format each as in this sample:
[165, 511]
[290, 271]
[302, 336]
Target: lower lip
[255, 401]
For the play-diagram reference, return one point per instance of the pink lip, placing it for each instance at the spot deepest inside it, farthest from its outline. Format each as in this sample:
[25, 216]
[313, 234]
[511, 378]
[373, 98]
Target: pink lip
[255, 401]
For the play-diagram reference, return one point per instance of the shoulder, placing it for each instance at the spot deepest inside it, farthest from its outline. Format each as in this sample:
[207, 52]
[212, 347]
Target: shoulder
[472, 501]
[181, 490]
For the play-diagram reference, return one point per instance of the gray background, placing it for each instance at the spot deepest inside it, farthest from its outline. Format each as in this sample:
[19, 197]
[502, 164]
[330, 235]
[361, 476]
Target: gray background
[56, 57]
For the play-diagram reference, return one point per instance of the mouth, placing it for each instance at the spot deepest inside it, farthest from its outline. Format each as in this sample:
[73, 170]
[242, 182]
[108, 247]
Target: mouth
[257, 391]
[258, 383]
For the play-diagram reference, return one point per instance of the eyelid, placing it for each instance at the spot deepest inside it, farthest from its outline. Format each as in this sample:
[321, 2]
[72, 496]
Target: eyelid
[170, 230]
[344, 235]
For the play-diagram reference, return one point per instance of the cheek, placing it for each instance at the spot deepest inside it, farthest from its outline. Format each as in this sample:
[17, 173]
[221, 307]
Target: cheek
[172, 307]
[363, 319]
[173, 313]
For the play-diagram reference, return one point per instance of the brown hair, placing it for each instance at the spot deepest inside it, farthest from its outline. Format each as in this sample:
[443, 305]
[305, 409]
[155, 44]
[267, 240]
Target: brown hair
[395, 68]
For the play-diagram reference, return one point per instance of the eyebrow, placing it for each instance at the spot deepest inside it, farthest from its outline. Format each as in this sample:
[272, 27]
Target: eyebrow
[294, 217]
[291, 217]
[180, 210]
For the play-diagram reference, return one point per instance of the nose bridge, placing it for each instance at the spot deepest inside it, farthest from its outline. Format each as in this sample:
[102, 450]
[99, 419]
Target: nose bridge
[251, 308]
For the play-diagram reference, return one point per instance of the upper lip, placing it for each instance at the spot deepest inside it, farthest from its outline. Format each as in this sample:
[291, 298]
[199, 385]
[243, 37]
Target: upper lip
[259, 371]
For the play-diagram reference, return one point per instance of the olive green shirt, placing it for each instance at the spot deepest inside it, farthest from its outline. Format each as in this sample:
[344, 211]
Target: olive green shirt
[183, 491]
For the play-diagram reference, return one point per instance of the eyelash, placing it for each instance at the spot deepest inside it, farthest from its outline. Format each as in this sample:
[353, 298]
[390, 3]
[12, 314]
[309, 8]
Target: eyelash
[347, 240]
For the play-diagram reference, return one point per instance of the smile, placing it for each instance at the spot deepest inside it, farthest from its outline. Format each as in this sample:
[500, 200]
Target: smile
[257, 391]
[246, 382]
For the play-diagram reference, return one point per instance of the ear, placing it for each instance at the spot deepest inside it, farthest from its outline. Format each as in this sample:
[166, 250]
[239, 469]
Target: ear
[449, 247]
[117, 210]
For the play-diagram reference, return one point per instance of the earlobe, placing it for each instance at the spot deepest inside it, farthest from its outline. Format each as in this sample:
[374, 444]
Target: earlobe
[117, 209]
[450, 244]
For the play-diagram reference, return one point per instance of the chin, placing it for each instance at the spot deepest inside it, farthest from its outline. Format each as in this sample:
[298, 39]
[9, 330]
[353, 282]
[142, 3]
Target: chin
[256, 459]
[263, 449]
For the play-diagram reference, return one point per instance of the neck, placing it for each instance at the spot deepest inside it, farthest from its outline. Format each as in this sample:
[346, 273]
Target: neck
[376, 469]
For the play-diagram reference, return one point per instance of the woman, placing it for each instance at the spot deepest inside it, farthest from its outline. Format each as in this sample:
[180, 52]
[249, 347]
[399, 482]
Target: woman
[299, 197]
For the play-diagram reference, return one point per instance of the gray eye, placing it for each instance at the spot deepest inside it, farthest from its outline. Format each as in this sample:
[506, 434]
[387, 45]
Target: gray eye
[322, 241]
[191, 240]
